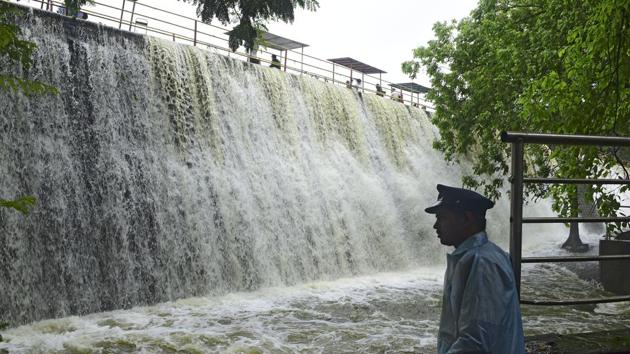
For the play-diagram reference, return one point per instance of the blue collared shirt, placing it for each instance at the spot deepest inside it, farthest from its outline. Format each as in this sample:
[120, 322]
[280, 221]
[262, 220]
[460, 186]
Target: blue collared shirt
[480, 306]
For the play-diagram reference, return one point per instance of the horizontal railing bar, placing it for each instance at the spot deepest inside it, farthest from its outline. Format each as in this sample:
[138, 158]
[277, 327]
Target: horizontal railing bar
[61, 3]
[561, 139]
[141, 15]
[161, 10]
[179, 15]
[573, 259]
[199, 32]
[317, 67]
[576, 181]
[551, 220]
[575, 301]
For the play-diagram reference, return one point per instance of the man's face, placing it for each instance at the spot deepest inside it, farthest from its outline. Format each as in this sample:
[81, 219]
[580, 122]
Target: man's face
[450, 226]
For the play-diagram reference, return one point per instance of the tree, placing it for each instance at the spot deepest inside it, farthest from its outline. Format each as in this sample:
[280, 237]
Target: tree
[73, 6]
[551, 66]
[15, 52]
[251, 16]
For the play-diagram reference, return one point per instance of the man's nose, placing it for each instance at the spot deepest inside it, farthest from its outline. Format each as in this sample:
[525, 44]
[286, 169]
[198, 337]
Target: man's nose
[435, 226]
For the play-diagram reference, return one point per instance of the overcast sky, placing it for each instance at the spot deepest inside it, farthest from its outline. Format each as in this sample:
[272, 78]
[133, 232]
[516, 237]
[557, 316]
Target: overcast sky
[376, 32]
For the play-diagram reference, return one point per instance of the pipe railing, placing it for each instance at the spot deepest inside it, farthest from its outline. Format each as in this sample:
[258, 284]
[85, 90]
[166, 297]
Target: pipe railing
[518, 140]
[199, 34]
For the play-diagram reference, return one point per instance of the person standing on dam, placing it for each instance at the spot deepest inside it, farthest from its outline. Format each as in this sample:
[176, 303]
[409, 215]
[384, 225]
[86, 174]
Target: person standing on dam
[275, 63]
[480, 305]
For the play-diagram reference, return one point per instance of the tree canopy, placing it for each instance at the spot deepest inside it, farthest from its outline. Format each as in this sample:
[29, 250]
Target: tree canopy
[545, 66]
[250, 15]
[73, 6]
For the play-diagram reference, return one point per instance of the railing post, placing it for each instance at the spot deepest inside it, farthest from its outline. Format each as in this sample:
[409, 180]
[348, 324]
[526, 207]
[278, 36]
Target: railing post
[133, 10]
[195, 38]
[333, 78]
[516, 212]
[122, 12]
[302, 62]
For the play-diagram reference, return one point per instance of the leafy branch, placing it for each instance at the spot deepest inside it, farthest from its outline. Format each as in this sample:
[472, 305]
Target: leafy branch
[250, 16]
[21, 204]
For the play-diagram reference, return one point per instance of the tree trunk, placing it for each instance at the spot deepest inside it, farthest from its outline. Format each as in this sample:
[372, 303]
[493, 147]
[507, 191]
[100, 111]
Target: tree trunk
[573, 242]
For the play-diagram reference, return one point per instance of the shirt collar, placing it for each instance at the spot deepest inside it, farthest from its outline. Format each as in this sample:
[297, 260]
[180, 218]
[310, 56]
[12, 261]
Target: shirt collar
[476, 240]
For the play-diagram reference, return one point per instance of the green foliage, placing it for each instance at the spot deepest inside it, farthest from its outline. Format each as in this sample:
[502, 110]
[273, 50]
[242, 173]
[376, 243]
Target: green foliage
[29, 87]
[548, 66]
[73, 6]
[21, 204]
[19, 52]
[250, 16]
[11, 46]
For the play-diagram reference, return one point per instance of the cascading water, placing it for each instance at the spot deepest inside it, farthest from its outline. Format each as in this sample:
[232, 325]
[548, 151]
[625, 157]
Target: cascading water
[263, 201]
[163, 171]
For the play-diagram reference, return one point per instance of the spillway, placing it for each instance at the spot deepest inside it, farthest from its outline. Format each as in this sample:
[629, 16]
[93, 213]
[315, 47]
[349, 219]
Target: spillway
[163, 171]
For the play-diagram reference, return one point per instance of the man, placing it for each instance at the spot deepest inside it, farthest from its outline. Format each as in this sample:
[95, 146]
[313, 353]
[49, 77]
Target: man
[480, 306]
[275, 63]
[379, 90]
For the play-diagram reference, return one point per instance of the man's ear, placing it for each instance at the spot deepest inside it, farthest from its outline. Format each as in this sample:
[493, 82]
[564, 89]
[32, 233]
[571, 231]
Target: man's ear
[470, 217]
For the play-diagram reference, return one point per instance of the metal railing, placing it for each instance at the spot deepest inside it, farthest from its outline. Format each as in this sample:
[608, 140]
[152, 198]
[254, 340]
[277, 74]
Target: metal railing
[518, 140]
[193, 32]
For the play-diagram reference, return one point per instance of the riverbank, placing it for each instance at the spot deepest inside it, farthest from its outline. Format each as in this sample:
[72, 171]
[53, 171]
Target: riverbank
[582, 343]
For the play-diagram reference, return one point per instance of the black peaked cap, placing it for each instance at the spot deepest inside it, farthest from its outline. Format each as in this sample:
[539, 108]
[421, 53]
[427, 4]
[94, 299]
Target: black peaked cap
[461, 198]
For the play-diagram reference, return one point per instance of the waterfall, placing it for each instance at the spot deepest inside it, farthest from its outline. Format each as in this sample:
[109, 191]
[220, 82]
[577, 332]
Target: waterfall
[164, 171]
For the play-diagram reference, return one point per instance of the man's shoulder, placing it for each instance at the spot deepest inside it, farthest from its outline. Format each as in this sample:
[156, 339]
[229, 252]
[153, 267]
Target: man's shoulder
[491, 247]
[488, 253]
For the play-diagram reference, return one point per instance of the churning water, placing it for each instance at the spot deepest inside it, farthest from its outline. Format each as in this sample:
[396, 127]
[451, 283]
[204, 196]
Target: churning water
[225, 207]
[383, 313]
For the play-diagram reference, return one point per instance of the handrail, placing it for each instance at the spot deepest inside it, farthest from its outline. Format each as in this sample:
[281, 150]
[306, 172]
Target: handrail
[560, 139]
[575, 181]
[573, 259]
[332, 72]
[576, 301]
[518, 140]
[553, 220]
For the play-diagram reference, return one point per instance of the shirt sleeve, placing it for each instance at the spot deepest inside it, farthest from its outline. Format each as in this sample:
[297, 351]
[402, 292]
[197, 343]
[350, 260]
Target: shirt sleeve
[484, 302]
